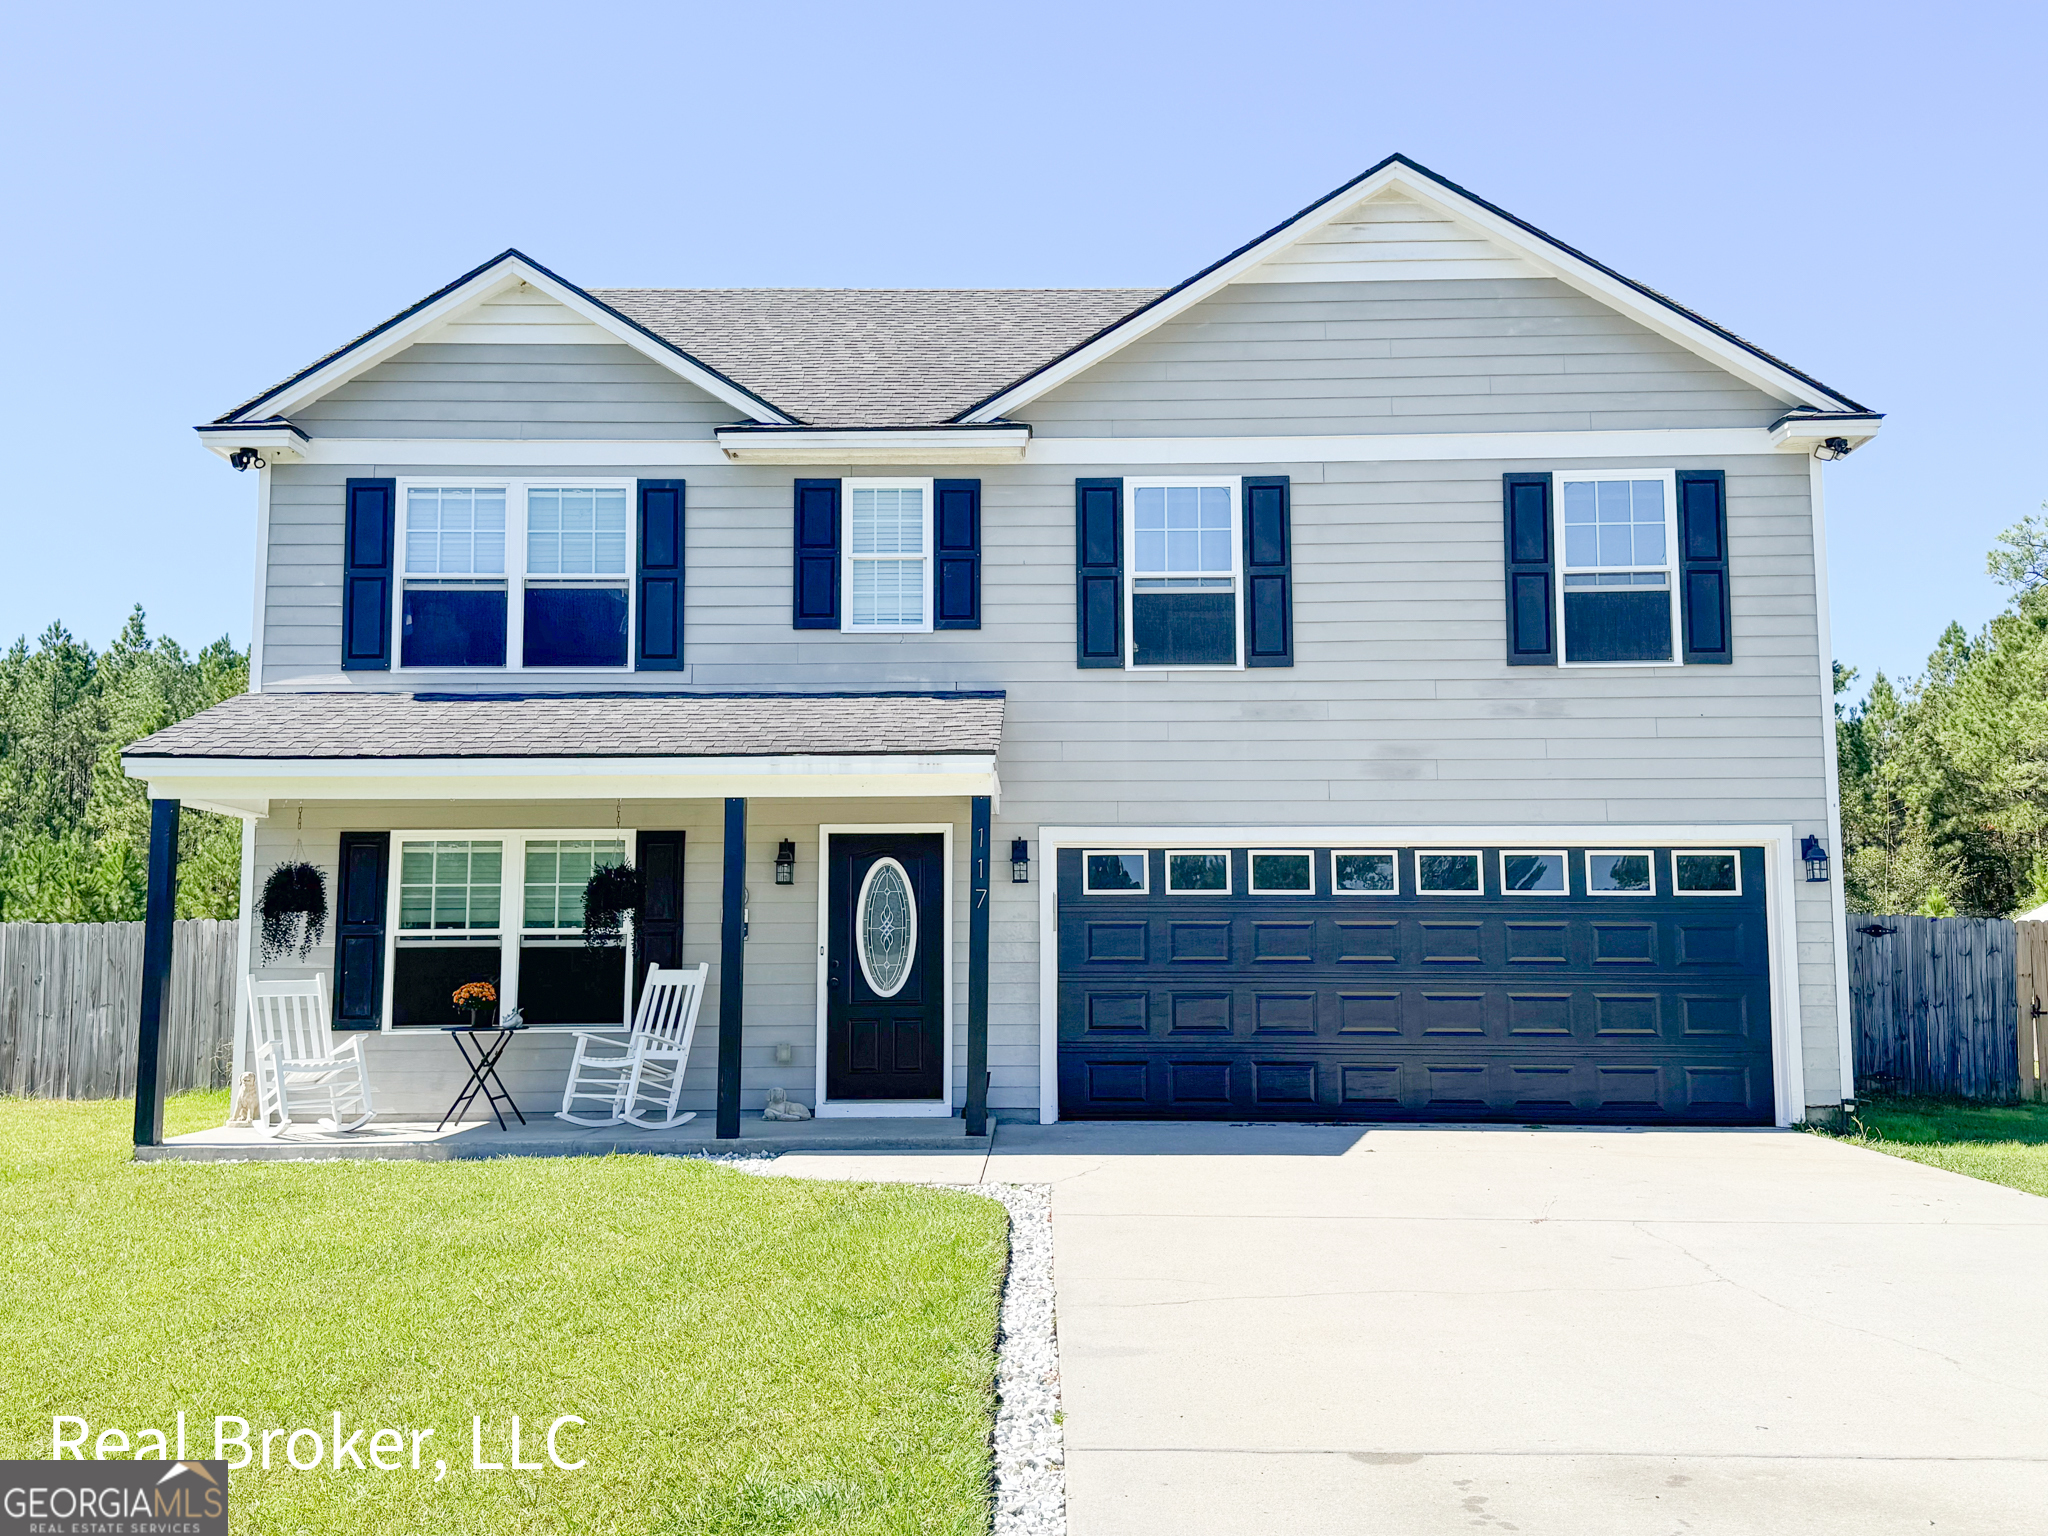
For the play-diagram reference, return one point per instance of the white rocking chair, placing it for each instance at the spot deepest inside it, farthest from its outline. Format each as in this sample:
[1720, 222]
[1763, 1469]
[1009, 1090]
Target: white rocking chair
[298, 1066]
[639, 1081]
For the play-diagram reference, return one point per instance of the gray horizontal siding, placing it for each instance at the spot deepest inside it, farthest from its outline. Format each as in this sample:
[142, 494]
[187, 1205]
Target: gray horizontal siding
[1399, 709]
[1470, 355]
[463, 389]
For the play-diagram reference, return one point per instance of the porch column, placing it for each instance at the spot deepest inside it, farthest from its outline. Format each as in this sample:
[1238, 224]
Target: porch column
[977, 974]
[156, 970]
[732, 969]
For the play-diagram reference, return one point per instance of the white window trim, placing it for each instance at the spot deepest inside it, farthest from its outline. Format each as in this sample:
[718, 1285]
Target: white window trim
[1385, 853]
[1235, 485]
[1143, 856]
[1563, 858]
[1713, 853]
[1477, 856]
[1670, 479]
[515, 574]
[847, 558]
[1622, 853]
[1251, 878]
[511, 903]
[1229, 878]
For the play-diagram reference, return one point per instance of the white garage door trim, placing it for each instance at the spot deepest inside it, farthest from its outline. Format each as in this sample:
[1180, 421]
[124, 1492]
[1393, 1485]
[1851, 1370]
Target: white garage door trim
[1779, 843]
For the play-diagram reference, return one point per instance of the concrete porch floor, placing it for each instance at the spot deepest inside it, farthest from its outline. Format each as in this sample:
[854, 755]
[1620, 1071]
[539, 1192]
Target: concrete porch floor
[545, 1136]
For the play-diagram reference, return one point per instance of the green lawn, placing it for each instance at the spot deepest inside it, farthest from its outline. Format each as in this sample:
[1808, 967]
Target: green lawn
[751, 1355]
[2003, 1144]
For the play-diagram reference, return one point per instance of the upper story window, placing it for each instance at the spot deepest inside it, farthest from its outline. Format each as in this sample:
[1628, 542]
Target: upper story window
[536, 571]
[888, 555]
[1618, 592]
[1184, 574]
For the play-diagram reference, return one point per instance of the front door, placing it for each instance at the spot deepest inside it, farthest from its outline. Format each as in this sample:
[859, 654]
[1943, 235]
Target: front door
[885, 966]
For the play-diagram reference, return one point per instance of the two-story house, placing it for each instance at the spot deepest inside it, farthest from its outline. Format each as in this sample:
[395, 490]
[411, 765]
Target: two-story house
[1384, 676]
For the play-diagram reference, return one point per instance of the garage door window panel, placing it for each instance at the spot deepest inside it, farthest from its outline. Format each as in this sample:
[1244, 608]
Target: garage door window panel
[1198, 873]
[1361, 873]
[1122, 873]
[1702, 873]
[1448, 874]
[1282, 874]
[1629, 873]
[1533, 874]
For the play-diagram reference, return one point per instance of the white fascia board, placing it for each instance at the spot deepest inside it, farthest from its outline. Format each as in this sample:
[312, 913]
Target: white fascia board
[1394, 447]
[246, 781]
[954, 445]
[1573, 270]
[498, 278]
[1359, 448]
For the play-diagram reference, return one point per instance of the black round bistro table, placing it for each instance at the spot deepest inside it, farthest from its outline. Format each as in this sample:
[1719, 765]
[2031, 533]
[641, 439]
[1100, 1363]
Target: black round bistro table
[481, 1057]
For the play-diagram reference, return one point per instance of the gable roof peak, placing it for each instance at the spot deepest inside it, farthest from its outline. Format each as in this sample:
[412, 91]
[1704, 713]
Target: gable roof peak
[1639, 301]
[508, 268]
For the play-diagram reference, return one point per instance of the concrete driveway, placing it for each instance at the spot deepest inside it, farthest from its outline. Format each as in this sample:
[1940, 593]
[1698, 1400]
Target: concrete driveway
[1410, 1331]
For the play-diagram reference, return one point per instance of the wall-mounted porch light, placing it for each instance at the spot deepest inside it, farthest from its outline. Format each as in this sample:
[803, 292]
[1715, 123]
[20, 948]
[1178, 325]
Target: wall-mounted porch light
[1020, 861]
[785, 862]
[1816, 859]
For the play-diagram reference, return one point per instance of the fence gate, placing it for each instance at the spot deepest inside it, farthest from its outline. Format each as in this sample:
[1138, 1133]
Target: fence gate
[1936, 1004]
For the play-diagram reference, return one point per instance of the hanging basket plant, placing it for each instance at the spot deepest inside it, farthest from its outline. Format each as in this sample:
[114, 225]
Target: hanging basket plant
[294, 910]
[611, 904]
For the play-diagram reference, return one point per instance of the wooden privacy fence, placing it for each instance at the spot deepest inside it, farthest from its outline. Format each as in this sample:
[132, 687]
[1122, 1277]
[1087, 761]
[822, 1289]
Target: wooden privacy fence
[1936, 1003]
[71, 999]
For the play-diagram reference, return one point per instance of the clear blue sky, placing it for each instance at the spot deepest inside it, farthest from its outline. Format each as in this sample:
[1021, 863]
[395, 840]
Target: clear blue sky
[202, 202]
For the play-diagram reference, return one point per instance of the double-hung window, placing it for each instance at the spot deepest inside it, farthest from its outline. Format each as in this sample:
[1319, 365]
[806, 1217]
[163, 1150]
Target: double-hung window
[1617, 587]
[506, 908]
[1183, 593]
[888, 566]
[525, 574]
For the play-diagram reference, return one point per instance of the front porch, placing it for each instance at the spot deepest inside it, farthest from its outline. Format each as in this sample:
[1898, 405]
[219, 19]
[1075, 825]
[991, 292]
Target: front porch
[545, 1136]
[450, 863]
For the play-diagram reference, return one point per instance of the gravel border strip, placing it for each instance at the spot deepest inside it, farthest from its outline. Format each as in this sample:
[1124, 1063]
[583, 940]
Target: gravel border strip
[1030, 1445]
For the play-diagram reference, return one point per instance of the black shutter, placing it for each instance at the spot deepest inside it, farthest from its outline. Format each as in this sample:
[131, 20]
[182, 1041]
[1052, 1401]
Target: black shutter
[1268, 573]
[659, 647]
[659, 856]
[1099, 573]
[1703, 566]
[956, 524]
[359, 930]
[369, 526]
[814, 583]
[1527, 535]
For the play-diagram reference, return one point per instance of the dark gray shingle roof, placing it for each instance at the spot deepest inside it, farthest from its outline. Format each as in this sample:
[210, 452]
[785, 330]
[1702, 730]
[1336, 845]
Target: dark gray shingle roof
[437, 725]
[875, 357]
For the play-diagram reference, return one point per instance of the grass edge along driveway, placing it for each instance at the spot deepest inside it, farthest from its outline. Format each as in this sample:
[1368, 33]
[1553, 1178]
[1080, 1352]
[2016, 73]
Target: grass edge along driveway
[750, 1355]
[1998, 1143]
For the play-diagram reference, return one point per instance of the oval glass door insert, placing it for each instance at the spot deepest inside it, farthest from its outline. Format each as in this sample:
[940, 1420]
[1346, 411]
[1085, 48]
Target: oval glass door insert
[885, 927]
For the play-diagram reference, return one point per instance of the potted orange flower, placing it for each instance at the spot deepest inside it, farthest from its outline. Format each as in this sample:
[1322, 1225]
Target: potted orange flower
[473, 997]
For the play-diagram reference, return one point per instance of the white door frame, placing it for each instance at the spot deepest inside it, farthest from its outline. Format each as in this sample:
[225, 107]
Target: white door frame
[863, 1109]
[1780, 845]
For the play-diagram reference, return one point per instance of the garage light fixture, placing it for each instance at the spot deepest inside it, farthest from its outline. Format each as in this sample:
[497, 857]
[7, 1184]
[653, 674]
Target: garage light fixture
[785, 862]
[1020, 861]
[1816, 858]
